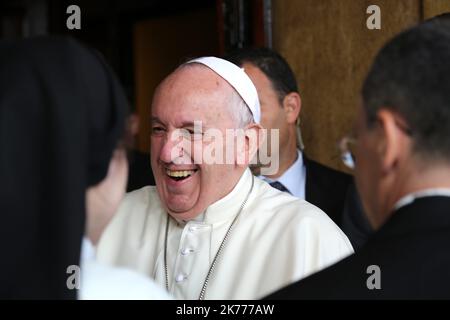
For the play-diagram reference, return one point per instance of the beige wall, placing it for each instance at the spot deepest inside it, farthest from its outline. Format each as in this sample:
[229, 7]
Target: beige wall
[325, 41]
[330, 50]
[433, 8]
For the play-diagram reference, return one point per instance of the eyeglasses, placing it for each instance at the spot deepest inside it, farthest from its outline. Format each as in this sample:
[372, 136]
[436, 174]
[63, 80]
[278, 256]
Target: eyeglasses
[347, 147]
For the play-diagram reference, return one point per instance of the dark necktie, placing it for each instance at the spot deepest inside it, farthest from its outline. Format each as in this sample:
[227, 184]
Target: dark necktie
[279, 186]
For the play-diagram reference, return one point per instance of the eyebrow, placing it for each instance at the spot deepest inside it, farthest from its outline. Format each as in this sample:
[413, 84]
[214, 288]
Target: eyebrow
[184, 124]
[155, 119]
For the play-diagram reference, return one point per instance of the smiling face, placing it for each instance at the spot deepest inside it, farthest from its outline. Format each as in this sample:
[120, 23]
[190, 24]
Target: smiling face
[185, 186]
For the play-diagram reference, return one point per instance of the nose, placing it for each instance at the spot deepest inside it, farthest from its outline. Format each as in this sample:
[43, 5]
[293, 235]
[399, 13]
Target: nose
[173, 148]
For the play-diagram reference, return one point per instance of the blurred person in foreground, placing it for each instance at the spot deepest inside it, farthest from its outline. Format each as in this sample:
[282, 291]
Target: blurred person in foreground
[63, 170]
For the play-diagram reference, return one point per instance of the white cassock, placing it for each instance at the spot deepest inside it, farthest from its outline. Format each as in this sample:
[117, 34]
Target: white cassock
[276, 240]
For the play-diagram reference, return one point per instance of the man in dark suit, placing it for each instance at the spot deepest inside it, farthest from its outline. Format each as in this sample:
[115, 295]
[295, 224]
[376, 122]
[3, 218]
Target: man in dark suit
[280, 109]
[402, 149]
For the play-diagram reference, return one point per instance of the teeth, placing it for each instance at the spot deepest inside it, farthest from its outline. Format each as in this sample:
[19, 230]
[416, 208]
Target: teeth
[179, 174]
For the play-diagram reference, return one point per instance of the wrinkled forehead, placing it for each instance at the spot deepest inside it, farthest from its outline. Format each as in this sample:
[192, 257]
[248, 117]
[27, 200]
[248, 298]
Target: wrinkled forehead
[196, 76]
[192, 92]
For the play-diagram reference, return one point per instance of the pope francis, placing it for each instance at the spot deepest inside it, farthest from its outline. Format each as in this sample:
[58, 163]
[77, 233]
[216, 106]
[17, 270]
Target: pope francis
[209, 229]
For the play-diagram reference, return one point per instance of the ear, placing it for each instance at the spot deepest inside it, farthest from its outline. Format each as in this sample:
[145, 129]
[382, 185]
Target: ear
[292, 105]
[253, 138]
[390, 146]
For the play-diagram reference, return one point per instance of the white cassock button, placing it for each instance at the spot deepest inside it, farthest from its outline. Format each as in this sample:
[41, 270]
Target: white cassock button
[180, 278]
[192, 229]
[186, 251]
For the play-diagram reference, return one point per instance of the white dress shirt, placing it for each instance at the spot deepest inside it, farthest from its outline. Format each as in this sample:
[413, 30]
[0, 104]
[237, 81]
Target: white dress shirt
[294, 178]
[276, 240]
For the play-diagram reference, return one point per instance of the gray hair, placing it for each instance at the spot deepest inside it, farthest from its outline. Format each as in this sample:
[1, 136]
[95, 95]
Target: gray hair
[239, 110]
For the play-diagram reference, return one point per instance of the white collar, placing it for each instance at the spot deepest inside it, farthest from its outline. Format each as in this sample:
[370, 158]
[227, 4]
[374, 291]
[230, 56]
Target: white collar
[293, 178]
[224, 208]
[409, 198]
[228, 206]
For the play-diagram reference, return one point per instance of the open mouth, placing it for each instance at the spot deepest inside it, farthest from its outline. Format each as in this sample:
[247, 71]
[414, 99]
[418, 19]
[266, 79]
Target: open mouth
[179, 175]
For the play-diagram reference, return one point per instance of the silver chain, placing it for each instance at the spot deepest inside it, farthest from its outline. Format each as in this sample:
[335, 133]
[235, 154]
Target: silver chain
[218, 253]
[165, 253]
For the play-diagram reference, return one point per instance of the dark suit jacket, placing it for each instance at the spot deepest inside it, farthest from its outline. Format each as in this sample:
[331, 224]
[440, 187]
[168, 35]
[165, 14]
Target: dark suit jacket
[326, 188]
[412, 251]
[334, 192]
[355, 223]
